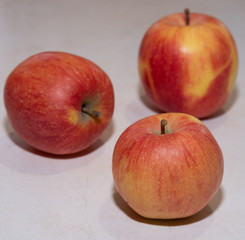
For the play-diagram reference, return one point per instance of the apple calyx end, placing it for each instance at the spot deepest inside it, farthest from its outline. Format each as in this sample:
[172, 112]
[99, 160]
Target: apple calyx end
[187, 16]
[163, 125]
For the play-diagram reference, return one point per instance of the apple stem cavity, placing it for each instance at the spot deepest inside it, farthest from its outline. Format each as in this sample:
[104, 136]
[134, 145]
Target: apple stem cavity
[187, 16]
[163, 125]
[91, 113]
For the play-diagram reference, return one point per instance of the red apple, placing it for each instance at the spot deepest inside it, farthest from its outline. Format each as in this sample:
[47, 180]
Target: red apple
[167, 171]
[188, 63]
[58, 102]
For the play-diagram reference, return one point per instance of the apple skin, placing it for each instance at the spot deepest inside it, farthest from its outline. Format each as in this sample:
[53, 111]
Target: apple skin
[44, 97]
[188, 68]
[171, 175]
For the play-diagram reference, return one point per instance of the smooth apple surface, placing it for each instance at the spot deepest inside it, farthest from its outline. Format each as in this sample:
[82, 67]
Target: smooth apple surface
[58, 102]
[167, 175]
[188, 68]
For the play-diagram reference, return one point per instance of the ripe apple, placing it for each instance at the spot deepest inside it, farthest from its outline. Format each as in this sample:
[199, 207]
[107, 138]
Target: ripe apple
[58, 102]
[167, 166]
[188, 63]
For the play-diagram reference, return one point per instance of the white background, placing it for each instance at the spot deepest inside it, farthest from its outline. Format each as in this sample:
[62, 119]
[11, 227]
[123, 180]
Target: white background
[44, 197]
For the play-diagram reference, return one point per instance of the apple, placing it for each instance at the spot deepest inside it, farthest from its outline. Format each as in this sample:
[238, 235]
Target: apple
[167, 166]
[58, 102]
[188, 63]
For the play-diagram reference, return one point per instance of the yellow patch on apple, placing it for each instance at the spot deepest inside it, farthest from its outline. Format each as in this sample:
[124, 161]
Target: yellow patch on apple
[73, 116]
[199, 84]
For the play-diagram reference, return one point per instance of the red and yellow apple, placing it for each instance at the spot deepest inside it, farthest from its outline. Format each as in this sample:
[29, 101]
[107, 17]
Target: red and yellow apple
[58, 102]
[188, 63]
[167, 166]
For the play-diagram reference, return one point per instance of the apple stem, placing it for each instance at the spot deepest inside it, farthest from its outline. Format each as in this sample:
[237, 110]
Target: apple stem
[163, 125]
[91, 113]
[187, 16]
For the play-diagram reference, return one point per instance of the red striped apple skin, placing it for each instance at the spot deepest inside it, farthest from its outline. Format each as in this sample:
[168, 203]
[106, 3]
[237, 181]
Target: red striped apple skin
[188, 68]
[171, 175]
[44, 96]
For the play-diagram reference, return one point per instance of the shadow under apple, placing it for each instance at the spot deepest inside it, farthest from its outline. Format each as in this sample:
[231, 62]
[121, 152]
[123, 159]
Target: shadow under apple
[21, 157]
[225, 108]
[146, 101]
[18, 141]
[208, 210]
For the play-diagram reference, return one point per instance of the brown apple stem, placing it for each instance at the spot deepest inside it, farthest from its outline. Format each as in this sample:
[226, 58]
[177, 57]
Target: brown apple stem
[91, 113]
[163, 125]
[187, 16]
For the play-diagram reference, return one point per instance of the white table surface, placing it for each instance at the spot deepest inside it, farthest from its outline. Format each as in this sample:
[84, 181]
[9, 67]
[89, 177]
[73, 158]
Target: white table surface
[44, 197]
